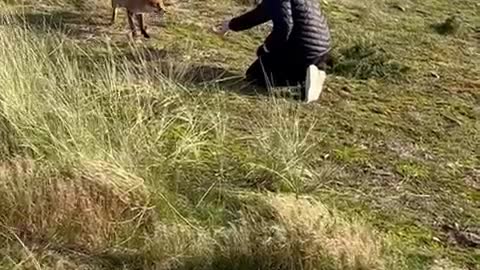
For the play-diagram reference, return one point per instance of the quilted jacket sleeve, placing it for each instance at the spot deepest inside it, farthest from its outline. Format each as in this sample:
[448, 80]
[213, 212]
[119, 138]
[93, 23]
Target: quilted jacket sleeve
[251, 19]
[281, 11]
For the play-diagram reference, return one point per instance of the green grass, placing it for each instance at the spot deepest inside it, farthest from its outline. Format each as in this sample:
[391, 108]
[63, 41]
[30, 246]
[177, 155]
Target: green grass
[134, 155]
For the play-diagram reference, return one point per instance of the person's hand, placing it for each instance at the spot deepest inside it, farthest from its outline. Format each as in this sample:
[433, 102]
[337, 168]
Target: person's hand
[222, 28]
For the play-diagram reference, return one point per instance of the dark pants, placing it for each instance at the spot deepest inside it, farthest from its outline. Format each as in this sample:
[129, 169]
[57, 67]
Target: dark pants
[281, 70]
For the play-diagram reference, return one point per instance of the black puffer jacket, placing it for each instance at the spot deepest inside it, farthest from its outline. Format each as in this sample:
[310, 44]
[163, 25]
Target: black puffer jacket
[299, 27]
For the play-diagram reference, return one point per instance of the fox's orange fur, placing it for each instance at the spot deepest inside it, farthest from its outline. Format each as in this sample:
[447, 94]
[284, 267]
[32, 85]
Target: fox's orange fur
[137, 8]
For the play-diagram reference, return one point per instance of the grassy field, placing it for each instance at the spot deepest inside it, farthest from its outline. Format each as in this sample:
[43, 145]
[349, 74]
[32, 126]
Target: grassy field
[149, 155]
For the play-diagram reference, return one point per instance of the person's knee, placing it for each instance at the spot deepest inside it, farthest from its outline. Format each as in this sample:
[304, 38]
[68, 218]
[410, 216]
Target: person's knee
[254, 76]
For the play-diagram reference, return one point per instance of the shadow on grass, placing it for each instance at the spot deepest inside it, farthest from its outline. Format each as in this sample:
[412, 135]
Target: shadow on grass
[205, 76]
[70, 23]
[450, 26]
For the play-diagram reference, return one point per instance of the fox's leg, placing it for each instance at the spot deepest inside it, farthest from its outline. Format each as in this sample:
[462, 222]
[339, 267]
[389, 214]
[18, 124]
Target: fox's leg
[141, 22]
[114, 12]
[131, 23]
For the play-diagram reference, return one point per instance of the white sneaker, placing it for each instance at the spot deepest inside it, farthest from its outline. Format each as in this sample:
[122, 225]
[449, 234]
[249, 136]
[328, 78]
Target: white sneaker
[314, 83]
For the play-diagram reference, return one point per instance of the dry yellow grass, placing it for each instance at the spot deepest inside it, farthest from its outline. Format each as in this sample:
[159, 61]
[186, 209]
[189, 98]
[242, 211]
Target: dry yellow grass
[444, 264]
[287, 232]
[91, 206]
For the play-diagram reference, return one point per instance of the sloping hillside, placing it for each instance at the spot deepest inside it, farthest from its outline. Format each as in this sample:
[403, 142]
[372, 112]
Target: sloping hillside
[151, 154]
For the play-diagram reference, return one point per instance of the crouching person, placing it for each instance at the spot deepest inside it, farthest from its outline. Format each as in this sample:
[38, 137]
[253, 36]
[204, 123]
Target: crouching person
[296, 50]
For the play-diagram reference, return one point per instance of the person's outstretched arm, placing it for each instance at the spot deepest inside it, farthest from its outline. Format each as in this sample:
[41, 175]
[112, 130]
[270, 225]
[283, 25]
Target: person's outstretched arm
[281, 11]
[250, 19]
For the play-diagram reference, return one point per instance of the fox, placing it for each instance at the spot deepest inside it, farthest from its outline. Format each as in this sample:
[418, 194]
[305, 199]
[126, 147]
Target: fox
[136, 8]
